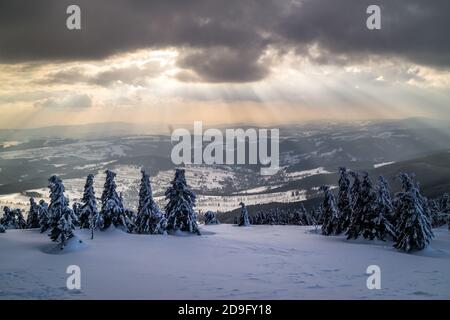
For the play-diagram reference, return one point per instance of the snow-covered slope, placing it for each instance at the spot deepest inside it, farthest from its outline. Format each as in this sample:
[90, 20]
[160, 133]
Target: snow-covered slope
[226, 262]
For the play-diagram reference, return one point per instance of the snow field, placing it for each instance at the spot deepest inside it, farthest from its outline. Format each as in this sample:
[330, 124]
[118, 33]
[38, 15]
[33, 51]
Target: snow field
[226, 262]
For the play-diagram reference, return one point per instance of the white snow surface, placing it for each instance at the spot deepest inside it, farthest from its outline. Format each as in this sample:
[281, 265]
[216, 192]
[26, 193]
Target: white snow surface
[226, 262]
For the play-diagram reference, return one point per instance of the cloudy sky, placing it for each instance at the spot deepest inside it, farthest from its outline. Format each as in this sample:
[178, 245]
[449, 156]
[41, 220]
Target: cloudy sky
[222, 61]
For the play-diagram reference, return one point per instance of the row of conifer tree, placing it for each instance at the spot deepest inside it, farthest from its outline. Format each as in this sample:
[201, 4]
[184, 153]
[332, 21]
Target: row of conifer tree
[60, 220]
[359, 210]
[362, 210]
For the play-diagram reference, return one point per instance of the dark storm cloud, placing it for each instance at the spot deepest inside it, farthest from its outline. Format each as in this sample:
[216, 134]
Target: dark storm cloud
[130, 74]
[224, 64]
[412, 29]
[225, 40]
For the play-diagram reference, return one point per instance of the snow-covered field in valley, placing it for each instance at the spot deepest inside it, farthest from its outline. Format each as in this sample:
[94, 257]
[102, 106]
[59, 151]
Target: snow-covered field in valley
[226, 262]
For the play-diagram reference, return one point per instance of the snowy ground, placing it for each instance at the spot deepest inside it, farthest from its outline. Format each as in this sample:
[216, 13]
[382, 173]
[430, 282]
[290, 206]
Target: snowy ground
[227, 262]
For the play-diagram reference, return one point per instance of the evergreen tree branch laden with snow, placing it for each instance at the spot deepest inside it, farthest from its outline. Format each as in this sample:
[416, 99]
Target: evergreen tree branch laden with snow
[210, 218]
[13, 219]
[44, 218]
[62, 217]
[150, 219]
[385, 211]
[33, 215]
[330, 224]
[113, 211]
[344, 200]
[244, 220]
[89, 203]
[180, 207]
[413, 229]
[90, 217]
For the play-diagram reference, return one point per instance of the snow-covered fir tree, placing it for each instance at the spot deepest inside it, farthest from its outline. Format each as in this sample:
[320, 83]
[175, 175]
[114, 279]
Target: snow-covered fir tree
[95, 222]
[149, 218]
[61, 215]
[384, 200]
[373, 223]
[315, 218]
[330, 224]
[385, 211]
[66, 227]
[180, 207]
[76, 208]
[210, 218]
[8, 220]
[344, 204]
[243, 219]
[361, 200]
[131, 215]
[44, 218]
[413, 230]
[13, 219]
[33, 215]
[355, 189]
[438, 218]
[302, 217]
[444, 204]
[364, 219]
[319, 214]
[112, 210]
[21, 222]
[90, 217]
[89, 203]
[444, 207]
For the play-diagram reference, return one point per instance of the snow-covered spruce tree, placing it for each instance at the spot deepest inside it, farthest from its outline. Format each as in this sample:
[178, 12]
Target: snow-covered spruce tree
[66, 226]
[308, 219]
[180, 206]
[438, 218]
[413, 230]
[13, 219]
[8, 220]
[44, 218]
[355, 189]
[385, 211]
[364, 213]
[89, 203]
[95, 222]
[62, 217]
[112, 210]
[301, 217]
[444, 204]
[210, 218]
[344, 200]
[149, 219]
[33, 215]
[244, 220]
[21, 222]
[373, 223]
[76, 208]
[90, 217]
[315, 219]
[330, 216]
[444, 207]
[319, 214]
[357, 204]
